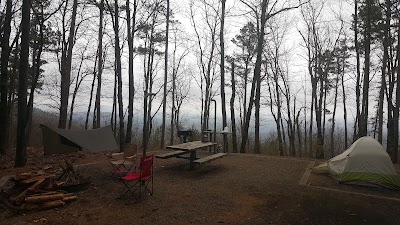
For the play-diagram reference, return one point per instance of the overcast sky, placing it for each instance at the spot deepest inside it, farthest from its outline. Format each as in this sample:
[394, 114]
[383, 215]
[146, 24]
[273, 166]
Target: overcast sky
[296, 56]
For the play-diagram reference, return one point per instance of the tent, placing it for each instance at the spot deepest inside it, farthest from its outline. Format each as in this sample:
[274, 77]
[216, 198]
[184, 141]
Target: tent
[365, 162]
[56, 141]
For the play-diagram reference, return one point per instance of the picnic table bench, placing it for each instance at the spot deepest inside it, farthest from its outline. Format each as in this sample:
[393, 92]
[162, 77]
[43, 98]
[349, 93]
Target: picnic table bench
[209, 158]
[170, 154]
[191, 148]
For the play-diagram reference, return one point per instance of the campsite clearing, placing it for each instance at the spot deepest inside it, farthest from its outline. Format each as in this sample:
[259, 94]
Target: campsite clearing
[239, 189]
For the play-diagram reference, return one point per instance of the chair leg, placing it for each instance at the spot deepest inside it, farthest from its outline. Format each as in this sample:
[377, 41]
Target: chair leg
[123, 190]
[130, 188]
[147, 187]
[140, 189]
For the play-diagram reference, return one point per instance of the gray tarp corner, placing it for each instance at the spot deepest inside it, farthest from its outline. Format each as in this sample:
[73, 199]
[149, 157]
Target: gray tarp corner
[56, 141]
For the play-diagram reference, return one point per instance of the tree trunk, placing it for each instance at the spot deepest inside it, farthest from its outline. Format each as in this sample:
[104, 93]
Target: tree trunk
[312, 109]
[4, 89]
[78, 82]
[397, 107]
[35, 77]
[119, 78]
[162, 142]
[383, 76]
[130, 36]
[66, 70]
[114, 107]
[232, 104]
[358, 79]
[344, 110]
[257, 143]
[20, 155]
[279, 124]
[222, 70]
[332, 150]
[324, 111]
[297, 123]
[91, 98]
[245, 79]
[100, 66]
[12, 93]
[291, 132]
[257, 72]
[319, 153]
[172, 132]
[277, 119]
[363, 123]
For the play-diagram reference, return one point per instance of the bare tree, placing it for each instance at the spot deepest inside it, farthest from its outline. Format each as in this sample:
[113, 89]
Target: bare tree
[20, 155]
[232, 108]
[80, 76]
[130, 25]
[99, 65]
[261, 19]
[65, 63]
[247, 42]
[385, 41]
[222, 71]
[5, 55]
[393, 93]
[118, 76]
[358, 77]
[162, 143]
[178, 92]
[91, 95]
[207, 49]
[319, 43]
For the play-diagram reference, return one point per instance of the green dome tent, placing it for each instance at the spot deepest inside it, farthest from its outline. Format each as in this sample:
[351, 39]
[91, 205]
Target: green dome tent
[365, 162]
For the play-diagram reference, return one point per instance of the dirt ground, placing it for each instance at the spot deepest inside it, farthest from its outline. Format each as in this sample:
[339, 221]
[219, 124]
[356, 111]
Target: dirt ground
[236, 189]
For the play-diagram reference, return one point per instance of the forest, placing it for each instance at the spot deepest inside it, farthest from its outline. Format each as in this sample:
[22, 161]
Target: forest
[325, 72]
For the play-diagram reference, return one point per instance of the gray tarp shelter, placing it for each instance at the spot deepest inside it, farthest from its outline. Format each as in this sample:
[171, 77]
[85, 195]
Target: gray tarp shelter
[56, 141]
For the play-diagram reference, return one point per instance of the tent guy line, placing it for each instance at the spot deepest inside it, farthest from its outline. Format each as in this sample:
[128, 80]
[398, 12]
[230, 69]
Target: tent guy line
[306, 175]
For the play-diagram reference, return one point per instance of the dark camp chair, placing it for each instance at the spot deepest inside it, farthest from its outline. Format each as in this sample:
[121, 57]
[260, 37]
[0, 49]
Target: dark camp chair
[141, 178]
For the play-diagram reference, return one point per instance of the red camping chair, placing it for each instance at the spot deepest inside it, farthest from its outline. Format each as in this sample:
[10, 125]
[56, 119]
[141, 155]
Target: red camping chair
[140, 178]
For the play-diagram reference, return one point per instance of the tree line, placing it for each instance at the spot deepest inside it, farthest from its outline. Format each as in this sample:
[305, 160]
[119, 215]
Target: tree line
[162, 48]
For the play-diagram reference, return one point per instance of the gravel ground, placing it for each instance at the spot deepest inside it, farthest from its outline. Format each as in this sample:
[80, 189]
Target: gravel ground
[236, 189]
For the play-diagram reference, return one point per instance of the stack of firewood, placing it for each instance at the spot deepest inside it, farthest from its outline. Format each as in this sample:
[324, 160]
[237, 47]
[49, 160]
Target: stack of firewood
[41, 190]
[36, 191]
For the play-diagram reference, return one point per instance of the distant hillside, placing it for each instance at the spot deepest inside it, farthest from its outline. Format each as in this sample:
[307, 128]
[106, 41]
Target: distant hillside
[43, 117]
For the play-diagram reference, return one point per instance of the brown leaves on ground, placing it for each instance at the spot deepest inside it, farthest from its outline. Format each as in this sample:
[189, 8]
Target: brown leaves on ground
[236, 189]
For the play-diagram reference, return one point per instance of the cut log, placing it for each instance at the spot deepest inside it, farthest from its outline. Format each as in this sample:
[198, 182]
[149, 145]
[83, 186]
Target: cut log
[68, 195]
[18, 199]
[44, 198]
[43, 206]
[41, 193]
[27, 175]
[70, 198]
[34, 179]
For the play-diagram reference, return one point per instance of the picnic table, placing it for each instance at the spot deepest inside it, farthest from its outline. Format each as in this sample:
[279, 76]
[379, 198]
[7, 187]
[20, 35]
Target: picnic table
[191, 148]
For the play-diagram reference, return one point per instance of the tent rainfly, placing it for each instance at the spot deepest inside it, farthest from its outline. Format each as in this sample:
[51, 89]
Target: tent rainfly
[365, 162]
[56, 141]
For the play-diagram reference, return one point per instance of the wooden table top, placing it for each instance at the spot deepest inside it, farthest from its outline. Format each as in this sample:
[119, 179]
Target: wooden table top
[191, 146]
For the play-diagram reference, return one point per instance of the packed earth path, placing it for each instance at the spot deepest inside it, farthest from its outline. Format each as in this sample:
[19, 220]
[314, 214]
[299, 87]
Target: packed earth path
[236, 189]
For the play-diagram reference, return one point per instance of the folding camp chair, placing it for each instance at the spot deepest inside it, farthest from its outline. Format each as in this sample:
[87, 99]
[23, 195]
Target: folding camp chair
[139, 179]
[123, 162]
